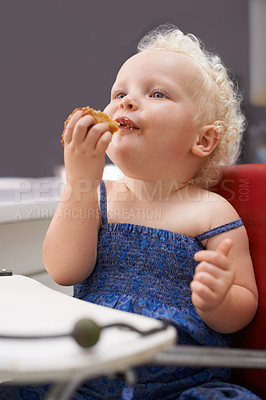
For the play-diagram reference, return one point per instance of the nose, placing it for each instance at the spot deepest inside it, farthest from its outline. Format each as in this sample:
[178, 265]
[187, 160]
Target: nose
[127, 103]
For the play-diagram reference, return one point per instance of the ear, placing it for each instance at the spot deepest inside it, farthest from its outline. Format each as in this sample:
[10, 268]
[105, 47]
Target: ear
[206, 141]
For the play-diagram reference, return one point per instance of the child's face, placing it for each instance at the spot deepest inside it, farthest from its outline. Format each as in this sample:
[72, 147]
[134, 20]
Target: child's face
[152, 98]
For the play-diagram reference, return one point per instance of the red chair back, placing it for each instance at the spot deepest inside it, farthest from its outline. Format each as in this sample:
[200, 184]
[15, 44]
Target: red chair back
[244, 186]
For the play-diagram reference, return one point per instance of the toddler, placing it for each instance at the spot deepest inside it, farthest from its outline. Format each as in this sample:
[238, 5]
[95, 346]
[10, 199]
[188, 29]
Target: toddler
[158, 242]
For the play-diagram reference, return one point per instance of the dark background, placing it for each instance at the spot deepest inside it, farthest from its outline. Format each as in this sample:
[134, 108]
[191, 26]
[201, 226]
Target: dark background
[57, 55]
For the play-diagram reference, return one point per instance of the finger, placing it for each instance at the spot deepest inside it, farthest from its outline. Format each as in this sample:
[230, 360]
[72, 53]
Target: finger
[201, 304]
[81, 128]
[104, 141]
[208, 268]
[70, 123]
[95, 134]
[212, 257]
[225, 246]
[202, 295]
[206, 279]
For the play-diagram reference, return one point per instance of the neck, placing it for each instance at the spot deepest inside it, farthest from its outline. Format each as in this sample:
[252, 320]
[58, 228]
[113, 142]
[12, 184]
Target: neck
[157, 190]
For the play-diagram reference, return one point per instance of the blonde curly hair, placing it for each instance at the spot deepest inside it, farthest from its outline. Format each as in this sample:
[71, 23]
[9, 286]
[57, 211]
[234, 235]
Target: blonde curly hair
[218, 100]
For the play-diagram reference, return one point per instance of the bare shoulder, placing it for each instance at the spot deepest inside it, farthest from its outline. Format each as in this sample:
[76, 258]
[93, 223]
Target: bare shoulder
[218, 209]
[221, 212]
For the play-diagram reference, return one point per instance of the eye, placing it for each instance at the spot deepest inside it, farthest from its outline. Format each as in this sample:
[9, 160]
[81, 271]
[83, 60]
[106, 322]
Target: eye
[119, 95]
[157, 94]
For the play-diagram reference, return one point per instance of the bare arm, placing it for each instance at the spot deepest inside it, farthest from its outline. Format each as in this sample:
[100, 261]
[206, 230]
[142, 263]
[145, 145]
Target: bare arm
[224, 290]
[70, 245]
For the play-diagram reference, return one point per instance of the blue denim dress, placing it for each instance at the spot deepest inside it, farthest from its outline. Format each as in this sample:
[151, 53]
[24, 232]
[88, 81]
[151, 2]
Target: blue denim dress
[148, 271]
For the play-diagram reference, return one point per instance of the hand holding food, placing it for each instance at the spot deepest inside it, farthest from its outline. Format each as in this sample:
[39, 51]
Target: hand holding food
[86, 136]
[99, 117]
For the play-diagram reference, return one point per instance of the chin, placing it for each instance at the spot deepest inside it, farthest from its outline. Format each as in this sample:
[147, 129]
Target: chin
[119, 154]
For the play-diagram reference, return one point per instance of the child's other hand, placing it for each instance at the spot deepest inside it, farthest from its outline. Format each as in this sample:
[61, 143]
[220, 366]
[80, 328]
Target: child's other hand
[85, 144]
[213, 277]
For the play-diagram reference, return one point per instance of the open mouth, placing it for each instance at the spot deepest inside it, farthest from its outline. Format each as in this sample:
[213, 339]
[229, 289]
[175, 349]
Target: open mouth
[126, 123]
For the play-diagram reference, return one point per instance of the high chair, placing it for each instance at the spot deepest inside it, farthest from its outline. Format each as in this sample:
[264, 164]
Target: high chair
[244, 186]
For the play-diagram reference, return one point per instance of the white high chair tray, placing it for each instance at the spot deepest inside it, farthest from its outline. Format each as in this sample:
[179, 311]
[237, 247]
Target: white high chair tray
[27, 307]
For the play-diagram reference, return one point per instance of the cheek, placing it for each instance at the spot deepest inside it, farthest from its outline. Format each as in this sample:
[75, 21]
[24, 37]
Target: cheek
[108, 109]
[164, 118]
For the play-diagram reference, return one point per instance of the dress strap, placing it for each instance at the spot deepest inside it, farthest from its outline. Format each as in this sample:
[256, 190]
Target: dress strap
[103, 203]
[219, 229]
